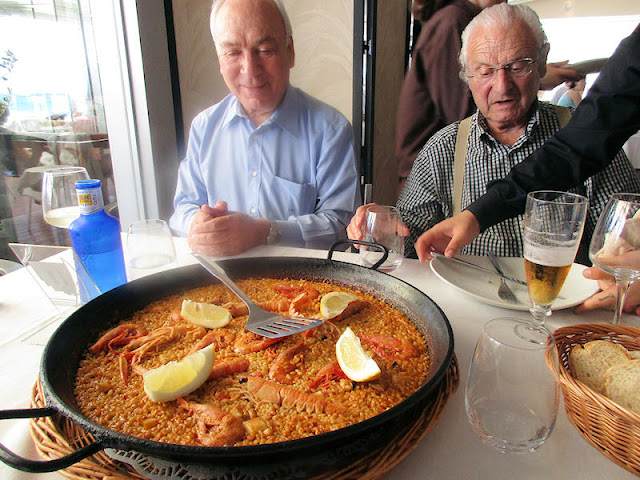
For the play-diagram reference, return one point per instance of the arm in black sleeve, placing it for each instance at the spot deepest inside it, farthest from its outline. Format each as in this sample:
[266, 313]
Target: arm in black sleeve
[603, 121]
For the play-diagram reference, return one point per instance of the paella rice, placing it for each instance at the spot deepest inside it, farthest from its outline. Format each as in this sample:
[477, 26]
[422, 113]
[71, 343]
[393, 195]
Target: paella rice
[259, 391]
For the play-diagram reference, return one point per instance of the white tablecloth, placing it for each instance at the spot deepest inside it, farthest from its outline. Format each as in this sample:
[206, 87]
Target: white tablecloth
[449, 451]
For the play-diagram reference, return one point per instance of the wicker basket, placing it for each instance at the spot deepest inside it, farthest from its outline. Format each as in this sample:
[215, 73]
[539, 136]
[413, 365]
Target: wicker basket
[58, 436]
[612, 429]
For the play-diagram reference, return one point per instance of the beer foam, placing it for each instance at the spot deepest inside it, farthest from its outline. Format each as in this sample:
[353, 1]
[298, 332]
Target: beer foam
[549, 256]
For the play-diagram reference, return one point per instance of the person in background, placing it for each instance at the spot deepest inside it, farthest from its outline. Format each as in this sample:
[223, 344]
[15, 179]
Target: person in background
[503, 57]
[433, 95]
[573, 96]
[607, 116]
[269, 164]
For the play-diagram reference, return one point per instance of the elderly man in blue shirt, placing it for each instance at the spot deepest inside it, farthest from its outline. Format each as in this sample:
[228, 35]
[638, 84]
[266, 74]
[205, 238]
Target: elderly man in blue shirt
[269, 164]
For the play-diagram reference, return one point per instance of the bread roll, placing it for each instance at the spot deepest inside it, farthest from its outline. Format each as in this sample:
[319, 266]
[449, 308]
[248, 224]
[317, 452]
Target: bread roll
[622, 385]
[590, 361]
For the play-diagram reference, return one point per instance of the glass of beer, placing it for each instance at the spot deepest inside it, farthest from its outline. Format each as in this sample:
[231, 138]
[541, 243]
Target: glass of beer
[615, 245]
[553, 225]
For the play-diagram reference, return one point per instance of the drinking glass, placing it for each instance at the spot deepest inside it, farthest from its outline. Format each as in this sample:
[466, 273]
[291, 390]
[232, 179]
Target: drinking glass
[150, 248]
[553, 225]
[382, 225]
[512, 397]
[59, 200]
[615, 245]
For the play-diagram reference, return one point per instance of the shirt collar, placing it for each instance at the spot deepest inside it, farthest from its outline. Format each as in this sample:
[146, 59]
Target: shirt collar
[482, 130]
[285, 116]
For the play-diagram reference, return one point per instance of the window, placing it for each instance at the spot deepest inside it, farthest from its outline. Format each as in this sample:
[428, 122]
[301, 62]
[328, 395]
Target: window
[51, 112]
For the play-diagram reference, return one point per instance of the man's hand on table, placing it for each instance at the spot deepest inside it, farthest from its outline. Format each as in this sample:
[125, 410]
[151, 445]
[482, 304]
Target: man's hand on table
[218, 232]
[606, 298]
[448, 236]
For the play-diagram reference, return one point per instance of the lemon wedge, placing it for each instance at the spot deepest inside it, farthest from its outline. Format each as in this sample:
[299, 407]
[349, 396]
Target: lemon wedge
[206, 315]
[333, 304]
[353, 360]
[179, 378]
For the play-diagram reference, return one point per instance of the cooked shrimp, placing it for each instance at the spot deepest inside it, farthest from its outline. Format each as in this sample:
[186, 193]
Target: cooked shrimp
[330, 372]
[228, 366]
[302, 300]
[389, 347]
[220, 338]
[291, 291]
[118, 336]
[249, 342]
[272, 392]
[284, 363]
[281, 305]
[241, 309]
[237, 309]
[216, 427]
[138, 348]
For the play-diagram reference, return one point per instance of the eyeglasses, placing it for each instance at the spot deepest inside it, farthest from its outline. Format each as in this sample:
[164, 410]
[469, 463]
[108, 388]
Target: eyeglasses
[517, 68]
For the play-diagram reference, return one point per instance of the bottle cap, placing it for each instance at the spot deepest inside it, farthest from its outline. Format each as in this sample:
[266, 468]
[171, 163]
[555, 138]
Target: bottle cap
[84, 184]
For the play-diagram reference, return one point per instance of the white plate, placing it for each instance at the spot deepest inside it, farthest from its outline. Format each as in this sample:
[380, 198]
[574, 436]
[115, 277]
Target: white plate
[484, 287]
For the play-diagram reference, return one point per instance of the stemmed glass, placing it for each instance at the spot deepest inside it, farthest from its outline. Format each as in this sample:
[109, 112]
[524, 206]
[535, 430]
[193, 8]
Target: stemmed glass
[59, 200]
[615, 245]
[553, 225]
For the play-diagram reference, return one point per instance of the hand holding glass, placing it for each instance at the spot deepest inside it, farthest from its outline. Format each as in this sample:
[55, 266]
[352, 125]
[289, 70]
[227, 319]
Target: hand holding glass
[59, 200]
[150, 248]
[553, 225]
[615, 245]
[382, 225]
[512, 397]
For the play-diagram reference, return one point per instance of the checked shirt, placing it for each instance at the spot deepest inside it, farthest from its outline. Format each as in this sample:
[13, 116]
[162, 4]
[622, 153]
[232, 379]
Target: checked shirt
[427, 196]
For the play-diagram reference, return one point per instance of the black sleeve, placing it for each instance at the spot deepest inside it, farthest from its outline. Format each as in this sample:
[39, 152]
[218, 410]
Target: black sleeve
[604, 120]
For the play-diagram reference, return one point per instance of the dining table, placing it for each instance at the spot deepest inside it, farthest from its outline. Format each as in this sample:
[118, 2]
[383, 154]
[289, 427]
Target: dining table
[451, 450]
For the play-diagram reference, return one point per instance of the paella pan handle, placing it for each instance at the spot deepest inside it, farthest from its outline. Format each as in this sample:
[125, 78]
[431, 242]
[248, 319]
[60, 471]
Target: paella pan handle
[41, 466]
[377, 246]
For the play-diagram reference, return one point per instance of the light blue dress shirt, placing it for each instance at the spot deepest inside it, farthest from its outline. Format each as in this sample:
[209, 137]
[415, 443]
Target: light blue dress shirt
[298, 168]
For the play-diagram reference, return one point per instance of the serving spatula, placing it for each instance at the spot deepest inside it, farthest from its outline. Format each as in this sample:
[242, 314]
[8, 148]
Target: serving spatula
[260, 321]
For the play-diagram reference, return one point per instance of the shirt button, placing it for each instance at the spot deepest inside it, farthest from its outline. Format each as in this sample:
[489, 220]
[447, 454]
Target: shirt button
[253, 210]
[254, 173]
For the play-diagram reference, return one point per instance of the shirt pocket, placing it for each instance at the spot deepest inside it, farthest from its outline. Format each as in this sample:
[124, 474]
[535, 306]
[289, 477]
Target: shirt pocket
[300, 198]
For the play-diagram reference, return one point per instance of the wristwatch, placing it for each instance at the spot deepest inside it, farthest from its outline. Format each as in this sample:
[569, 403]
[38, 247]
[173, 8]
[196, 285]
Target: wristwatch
[275, 234]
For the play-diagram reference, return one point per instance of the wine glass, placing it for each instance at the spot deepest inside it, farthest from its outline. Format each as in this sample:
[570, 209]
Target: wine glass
[59, 200]
[511, 396]
[382, 225]
[553, 225]
[615, 245]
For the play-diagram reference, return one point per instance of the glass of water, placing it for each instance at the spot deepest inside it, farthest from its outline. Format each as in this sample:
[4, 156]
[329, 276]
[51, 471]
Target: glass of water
[512, 396]
[382, 225]
[150, 248]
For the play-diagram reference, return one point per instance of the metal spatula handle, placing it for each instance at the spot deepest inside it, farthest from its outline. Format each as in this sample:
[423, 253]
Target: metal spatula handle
[218, 272]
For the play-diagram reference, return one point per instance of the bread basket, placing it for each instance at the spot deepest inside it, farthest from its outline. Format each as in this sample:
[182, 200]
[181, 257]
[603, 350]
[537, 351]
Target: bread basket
[612, 429]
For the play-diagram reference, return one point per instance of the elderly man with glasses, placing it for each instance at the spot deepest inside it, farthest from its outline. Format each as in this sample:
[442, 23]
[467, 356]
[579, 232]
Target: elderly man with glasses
[503, 57]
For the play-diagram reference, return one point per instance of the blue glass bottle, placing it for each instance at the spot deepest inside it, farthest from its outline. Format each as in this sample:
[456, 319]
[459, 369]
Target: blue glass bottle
[95, 237]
